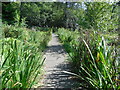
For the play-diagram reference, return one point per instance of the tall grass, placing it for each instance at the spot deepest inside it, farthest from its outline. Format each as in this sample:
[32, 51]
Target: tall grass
[22, 56]
[93, 59]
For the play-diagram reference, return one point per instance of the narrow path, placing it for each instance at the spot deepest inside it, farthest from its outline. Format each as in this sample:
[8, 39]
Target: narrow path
[55, 64]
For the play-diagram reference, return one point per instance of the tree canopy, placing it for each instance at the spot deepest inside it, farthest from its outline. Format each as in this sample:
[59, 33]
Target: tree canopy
[98, 15]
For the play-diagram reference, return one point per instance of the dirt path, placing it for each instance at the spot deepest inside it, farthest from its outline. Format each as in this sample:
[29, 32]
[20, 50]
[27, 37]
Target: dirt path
[55, 64]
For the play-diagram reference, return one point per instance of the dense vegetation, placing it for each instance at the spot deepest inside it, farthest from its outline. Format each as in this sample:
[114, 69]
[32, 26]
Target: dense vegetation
[88, 30]
[95, 62]
[58, 14]
[22, 56]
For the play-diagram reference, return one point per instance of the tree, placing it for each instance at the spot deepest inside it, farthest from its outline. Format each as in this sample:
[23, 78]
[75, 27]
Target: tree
[10, 12]
[43, 14]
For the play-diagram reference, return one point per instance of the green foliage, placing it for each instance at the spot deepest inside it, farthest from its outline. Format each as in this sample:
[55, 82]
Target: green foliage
[21, 56]
[70, 42]
[42, 28]
[27, 35]
[100, 16]
[92, 59]
[10, 12]
[11, 31]
[89, 53]
[21, 64]
[23, 23]
[42, 14]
